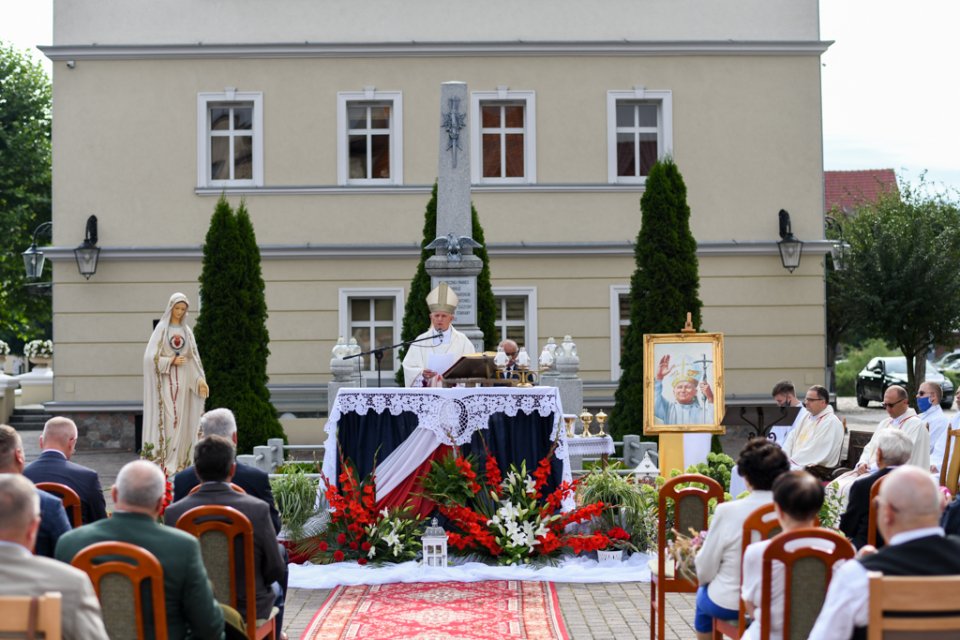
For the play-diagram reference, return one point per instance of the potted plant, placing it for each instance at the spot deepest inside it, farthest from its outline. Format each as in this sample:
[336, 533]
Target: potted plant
[296, 495]
[631, 505]
[39, 352]
[619, 542]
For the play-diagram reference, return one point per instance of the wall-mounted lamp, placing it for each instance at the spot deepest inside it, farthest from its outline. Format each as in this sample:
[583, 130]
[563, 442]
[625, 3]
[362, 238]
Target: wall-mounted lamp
[87, 254]
[838, 252]
[790, 246]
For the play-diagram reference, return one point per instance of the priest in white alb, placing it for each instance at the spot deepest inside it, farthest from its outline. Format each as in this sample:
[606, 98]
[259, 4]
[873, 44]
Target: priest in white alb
[438, 347]
[817, 441]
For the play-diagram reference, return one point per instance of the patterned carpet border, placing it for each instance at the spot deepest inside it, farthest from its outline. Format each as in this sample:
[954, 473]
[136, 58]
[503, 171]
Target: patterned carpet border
[493, 609]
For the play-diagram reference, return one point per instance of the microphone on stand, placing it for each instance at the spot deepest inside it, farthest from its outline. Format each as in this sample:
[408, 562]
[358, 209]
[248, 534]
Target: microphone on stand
[437, 338]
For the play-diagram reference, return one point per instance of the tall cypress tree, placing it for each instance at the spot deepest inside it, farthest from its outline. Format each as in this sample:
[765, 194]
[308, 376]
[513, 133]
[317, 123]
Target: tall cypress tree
[230, 330]
[416, 313]
[664, 287]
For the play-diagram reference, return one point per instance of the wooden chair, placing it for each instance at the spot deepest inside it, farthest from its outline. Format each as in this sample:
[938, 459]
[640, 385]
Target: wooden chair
[118, 571]
[930, 602]
[691, 506]
[872, 531]
[31, 615]
[233, 486]
[807, 571]
[950, 467]
[762, 524]
[69, 498]
[218, 528]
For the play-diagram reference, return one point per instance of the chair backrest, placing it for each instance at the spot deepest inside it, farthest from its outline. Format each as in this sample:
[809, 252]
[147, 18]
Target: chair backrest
[690, 508]
[31, 615]
[69, 498]
[807, 571]
[233, 486]
[845, 447]
[950, 467]
[935, 596]
[219, 528]
[872, 516]
[118, 571]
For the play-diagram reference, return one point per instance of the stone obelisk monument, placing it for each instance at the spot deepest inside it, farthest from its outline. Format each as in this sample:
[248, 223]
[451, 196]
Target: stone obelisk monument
[454, 262]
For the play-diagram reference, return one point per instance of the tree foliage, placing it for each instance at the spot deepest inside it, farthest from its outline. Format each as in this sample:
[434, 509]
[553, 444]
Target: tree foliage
[900, 283]
[663, 288]
[231, 329]
[25, 312]
[416, 313]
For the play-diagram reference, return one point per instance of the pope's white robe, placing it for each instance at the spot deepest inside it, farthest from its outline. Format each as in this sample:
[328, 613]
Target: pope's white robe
[418, 355]
[816, 441]
[914, 428]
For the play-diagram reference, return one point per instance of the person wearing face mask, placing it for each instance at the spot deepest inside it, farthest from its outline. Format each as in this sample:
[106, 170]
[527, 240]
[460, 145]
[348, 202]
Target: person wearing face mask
[928, 403]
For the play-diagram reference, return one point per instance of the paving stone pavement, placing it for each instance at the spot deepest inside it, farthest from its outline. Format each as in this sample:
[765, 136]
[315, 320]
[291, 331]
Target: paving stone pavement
[604, 611]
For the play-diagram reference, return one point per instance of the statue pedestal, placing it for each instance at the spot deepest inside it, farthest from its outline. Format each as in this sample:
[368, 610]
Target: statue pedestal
[37, 385]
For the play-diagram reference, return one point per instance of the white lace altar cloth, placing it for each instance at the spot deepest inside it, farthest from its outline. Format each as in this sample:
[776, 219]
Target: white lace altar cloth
[445, 416]
[592, 446]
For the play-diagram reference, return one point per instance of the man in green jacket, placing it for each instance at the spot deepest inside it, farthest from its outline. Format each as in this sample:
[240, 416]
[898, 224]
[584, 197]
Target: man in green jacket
[192, 611]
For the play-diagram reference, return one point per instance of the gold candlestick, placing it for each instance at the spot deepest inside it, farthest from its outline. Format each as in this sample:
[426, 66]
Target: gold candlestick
[601, 420]
[586, 418]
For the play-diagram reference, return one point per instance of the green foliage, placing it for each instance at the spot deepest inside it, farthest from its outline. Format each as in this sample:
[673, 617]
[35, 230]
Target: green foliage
[416, 313]
[717, 466]
[296, 496]
[632, 504]
[664, 287]
[856, 358]
[231, 328]
[900, 277]
[25, 312]
[832, 507]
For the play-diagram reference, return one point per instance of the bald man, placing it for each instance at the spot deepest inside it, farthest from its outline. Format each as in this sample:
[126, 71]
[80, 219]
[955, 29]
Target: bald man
[908, 514]
[58, 442]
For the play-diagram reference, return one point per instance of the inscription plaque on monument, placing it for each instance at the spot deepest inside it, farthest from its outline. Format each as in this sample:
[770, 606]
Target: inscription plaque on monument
[466, 290]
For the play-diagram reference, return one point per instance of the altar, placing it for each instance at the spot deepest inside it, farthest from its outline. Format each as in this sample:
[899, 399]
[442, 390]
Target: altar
[399, 431]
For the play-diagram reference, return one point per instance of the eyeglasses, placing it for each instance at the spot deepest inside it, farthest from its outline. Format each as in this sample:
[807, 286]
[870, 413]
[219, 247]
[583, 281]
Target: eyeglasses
[815, 399]
[891, 405]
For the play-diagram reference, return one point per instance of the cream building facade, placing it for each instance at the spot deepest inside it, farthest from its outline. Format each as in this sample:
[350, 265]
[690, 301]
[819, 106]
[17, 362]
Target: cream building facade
[325, 118]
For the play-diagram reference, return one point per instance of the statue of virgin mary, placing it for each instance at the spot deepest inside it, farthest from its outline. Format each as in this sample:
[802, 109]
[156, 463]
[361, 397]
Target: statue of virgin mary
[174, 388]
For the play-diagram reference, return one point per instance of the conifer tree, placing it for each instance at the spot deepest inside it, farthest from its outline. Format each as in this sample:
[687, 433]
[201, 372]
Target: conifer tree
[231, 328]
[664, 287]
[416, 313]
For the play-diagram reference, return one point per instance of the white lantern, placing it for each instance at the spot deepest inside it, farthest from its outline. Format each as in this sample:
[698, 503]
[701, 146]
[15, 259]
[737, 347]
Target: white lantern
[434, 545]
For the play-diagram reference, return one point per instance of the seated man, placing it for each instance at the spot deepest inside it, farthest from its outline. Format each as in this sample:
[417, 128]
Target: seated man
[818, 439]
[797, 498]
[220, 422]
[928, 402]
[53, 517]
[192, 611]
[893, 449]
[909, 505]
[24, 574]
[59, 441]
[213, 459]
[900, 417]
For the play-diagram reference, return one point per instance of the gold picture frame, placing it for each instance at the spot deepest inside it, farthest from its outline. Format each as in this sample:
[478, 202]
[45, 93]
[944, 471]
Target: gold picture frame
[690, 359]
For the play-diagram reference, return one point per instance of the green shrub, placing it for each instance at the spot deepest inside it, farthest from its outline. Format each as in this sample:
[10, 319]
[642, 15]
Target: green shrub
[296, 496]
[856, 359]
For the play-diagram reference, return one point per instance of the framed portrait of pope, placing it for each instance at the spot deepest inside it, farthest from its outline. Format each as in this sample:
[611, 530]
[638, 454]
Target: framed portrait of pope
[683, 383]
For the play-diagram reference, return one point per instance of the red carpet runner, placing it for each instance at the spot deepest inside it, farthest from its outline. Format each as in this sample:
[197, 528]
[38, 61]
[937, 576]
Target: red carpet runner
[491, 610]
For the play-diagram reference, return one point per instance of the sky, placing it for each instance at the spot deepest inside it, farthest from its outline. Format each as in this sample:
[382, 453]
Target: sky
[891, 82]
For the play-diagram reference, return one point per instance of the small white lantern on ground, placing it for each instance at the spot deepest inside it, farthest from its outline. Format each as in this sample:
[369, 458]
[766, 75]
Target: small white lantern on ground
[434, 545]
[646, 470]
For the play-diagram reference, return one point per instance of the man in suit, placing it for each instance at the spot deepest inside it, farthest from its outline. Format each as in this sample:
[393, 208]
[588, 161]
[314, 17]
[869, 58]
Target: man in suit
[213, 459]
[192, 611]
[909, 505]
[24, 574]
[53, 517]
[220, 422]
[893, 449]
[59, 441]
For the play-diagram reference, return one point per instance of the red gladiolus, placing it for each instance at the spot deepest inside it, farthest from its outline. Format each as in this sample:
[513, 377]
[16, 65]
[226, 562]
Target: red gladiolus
[617, 533]
[338, 555]
[342, 538]
[492, 471]
[323, 546]
[354, 546]
[361, 561]
[366, 545]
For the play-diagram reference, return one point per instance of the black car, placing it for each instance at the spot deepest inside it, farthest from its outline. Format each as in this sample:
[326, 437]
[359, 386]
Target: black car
[880, 373]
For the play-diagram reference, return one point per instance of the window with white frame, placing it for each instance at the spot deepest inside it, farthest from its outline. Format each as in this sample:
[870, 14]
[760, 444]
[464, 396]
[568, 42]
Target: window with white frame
[503, 136]
[230, 139]
[639, 132]
[369, 137]
[619, 321]
[372, 316]
[517, 316]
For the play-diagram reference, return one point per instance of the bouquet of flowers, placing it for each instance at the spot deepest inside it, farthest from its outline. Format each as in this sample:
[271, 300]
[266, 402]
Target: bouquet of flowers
[38, 349]
[4, 348]
[683, 551]
[620, 540]
[507, 518]
[357, 531]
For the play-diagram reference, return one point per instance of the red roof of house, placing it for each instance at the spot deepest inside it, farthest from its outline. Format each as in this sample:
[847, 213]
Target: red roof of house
[849, 189]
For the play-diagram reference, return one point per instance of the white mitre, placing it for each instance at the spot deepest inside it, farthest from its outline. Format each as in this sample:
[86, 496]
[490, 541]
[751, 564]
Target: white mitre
[443, 298]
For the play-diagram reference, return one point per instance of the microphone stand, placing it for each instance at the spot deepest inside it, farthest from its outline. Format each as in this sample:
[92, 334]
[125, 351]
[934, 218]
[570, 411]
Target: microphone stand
[378, 352]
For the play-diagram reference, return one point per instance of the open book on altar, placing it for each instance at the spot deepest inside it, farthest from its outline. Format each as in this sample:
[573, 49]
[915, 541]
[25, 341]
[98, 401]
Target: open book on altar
[474, 365]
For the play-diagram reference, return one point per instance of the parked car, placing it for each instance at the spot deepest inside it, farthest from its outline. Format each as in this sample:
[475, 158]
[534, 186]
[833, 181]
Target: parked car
[880, 373]
[949, 360]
